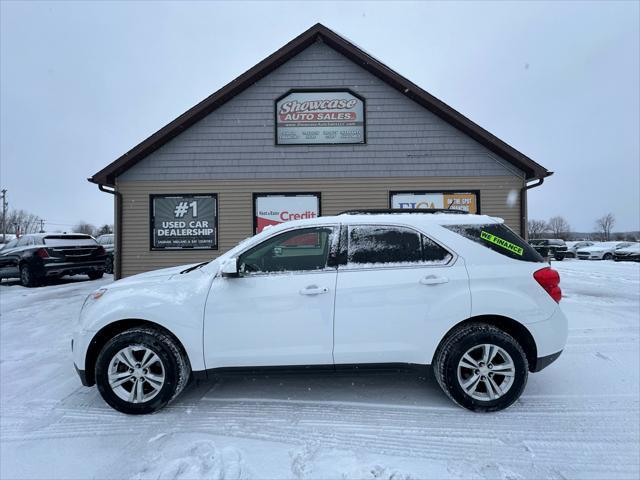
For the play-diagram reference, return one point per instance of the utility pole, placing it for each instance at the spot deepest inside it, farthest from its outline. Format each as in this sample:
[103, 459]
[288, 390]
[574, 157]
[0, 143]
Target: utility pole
[41, 225]
[4, 214]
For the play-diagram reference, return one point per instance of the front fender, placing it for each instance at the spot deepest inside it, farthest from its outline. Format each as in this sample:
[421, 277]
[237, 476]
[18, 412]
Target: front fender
[175, 303]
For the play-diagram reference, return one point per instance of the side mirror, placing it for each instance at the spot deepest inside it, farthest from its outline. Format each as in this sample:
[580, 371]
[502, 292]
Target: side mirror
[230, 268]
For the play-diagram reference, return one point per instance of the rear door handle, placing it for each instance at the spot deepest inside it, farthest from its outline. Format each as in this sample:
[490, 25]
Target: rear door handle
[313, 290]
[433, 280]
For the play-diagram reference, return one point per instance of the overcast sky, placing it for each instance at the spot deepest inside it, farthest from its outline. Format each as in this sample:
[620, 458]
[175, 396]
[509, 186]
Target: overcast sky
[82, 83]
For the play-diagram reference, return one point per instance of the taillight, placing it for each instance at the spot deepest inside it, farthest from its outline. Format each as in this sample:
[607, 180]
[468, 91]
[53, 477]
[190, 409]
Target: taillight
[42, 253]
[549, 279]
[101, 250]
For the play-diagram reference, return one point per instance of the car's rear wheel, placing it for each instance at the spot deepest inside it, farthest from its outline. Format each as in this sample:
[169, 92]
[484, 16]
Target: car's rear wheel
[141, 370]
[95, 275]
[28, 276]
[481, 367]
[607, 256]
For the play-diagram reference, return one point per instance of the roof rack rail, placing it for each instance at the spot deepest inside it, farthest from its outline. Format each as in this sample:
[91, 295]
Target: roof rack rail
[378, 211]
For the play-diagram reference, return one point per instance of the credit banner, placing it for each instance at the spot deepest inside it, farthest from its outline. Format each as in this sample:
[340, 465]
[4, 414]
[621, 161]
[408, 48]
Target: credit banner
[275, 209]
[319, 117]
[465, 201]
[184, 221]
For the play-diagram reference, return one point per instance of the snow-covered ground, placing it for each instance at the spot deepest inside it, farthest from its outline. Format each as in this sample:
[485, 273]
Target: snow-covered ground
[579, 418]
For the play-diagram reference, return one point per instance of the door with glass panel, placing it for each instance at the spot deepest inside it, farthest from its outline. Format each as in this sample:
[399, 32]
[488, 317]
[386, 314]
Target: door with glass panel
[279, 311]
[396, 287]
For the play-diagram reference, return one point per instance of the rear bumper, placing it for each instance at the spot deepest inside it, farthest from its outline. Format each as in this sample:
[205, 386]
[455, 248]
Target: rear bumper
[50, 269]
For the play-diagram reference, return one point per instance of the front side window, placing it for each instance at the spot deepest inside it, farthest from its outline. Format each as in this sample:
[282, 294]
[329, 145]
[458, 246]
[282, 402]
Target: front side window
[373, 245]
[299, 250]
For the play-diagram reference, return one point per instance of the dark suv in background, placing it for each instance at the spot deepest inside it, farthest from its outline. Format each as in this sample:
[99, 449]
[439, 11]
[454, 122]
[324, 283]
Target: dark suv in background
[550, 247]
[32, 258]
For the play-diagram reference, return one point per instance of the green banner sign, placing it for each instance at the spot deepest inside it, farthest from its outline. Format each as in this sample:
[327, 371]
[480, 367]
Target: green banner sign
[501, 242]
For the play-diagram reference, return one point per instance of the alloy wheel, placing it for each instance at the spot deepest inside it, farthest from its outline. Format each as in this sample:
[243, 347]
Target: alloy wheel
[136, 374]
[486, 372]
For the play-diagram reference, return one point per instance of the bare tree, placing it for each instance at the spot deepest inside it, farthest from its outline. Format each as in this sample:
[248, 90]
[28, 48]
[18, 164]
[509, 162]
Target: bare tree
[604, 225]
[84, 227]
[103, 230]
[559, 227]
[536, 228]
[20, 222]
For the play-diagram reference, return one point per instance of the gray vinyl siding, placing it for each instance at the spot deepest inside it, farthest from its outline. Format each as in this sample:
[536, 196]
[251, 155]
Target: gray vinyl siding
[237, 141]
[235, 207]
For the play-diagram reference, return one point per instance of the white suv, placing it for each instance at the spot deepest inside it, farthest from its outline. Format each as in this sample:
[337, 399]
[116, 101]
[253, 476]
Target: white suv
[459, 292]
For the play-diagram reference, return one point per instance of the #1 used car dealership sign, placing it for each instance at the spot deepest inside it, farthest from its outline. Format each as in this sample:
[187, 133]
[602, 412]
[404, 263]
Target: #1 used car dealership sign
[319, 117]
[184, 221]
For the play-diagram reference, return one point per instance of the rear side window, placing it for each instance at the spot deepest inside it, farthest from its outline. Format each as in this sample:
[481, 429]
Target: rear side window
[381, 244]
[499, 238]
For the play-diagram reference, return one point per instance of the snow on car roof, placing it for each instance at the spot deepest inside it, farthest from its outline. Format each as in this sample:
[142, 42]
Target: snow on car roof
[392, 218]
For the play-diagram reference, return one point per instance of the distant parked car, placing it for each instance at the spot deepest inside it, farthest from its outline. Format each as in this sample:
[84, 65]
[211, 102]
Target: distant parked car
[628, 254]
[573, 247]
[550, 247]
[32, 258]
[107, 241]
[601, 250]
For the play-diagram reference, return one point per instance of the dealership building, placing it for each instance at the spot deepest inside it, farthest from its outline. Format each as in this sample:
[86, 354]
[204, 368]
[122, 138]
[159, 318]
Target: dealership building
[318, 127]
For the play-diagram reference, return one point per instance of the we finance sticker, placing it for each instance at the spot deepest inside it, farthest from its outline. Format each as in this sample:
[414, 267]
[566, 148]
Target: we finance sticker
[501, 242]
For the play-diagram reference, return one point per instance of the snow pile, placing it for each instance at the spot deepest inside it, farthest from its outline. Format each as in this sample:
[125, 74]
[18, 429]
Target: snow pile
[579, 418]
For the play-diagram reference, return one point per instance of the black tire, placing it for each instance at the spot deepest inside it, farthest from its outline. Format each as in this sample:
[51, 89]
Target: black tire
[29, 277]
[559, 258]
[607, 256]
[457, 343]
[95, 275]
[176, 368]
[108, 264]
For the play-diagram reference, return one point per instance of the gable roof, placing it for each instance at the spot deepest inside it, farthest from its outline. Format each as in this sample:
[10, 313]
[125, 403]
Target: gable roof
[107, 175]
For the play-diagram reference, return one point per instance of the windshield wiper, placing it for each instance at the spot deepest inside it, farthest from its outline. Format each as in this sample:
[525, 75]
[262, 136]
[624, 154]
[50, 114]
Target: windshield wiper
[193, 268]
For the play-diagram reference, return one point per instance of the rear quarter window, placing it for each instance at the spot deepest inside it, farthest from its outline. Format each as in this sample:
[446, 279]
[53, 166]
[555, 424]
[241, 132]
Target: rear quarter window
[499, 238]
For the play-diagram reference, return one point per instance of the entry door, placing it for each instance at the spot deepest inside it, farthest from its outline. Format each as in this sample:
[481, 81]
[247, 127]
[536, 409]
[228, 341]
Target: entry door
[280, 310]
[397, 294]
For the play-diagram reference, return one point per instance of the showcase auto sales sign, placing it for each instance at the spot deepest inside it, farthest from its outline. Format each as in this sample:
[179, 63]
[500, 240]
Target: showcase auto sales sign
[317, 117]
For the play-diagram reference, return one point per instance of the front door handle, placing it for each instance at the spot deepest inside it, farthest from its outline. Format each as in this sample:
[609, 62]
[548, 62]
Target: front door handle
[433, 280]
[313, 290]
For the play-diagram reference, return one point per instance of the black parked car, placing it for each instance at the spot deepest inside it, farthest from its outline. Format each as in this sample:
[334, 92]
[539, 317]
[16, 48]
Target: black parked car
[32, 258]
[550, 247]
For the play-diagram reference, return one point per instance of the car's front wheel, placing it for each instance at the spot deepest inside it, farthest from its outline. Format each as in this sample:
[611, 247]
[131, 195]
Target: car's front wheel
[607, 256]
[141, 370]
[481, 367]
